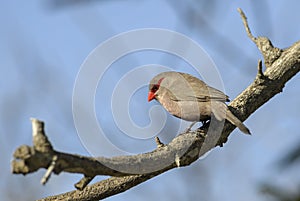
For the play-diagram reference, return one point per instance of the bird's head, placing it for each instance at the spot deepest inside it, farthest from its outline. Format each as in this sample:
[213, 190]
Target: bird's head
[167, 85]
[154, 87]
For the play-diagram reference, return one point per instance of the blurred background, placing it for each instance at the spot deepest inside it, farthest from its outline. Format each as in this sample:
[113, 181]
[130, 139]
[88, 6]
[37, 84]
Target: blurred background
[44, 43]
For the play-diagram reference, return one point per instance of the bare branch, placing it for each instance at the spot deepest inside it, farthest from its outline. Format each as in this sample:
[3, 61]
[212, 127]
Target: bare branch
[262, 90]
[162, 158]
[244, 18]
[269, 52]
[103, 189]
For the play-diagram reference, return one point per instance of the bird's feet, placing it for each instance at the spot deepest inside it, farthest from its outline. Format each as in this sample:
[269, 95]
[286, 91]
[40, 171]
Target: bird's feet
[205, 124]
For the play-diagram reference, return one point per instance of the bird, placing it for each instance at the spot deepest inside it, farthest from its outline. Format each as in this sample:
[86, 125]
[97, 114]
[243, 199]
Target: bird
[189, 98]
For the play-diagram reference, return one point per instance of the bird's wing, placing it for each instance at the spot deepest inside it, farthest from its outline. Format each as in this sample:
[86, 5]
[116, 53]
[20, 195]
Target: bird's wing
[192, 88]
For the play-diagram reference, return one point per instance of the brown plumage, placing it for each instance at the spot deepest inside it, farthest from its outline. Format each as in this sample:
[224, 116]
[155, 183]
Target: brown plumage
[189, 98]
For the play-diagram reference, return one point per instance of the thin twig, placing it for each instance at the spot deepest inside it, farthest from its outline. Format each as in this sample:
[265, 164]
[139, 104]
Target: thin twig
[83, 182]
[260, 73]
[49, 170]
[245, 22]
[158, 142]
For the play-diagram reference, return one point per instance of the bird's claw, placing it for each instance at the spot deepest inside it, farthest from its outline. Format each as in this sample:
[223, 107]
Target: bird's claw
[204, 124]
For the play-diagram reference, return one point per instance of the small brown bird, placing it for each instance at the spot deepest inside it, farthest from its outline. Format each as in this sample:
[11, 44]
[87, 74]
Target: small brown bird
[189, 98]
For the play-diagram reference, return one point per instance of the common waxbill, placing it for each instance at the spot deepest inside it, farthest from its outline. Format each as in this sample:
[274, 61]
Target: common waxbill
[189, 98]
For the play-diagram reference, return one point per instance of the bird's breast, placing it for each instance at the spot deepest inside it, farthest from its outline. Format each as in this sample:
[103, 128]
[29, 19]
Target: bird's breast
[187, 110]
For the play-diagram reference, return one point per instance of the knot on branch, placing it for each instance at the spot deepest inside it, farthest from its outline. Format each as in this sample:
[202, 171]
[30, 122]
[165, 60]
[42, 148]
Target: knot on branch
[40, 140]
[27, 160]
[30, 159]
[269, 52]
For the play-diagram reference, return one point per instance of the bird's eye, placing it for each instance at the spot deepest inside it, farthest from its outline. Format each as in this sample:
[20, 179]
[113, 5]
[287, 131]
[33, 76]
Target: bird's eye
[155, 87]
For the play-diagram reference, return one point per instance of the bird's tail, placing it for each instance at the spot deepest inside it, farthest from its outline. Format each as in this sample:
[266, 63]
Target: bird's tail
[221, 111]
[235, 121]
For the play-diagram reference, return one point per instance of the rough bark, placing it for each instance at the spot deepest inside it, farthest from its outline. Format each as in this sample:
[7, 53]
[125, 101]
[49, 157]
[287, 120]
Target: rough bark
[129, 171]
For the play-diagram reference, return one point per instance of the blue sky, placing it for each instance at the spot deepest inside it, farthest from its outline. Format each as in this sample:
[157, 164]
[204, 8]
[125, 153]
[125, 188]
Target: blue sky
[43, 47]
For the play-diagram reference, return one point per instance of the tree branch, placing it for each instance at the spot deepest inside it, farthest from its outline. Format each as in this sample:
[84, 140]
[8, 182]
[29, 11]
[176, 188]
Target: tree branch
[129, 171]
[269, 52]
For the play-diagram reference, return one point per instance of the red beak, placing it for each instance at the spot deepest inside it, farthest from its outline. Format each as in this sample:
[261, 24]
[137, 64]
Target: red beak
[151, 96]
